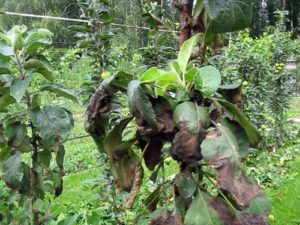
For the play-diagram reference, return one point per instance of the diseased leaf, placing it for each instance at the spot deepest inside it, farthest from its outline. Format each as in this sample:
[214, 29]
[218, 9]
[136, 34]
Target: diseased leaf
[235, 114]
[229, 15]
[61, 90]
[185, 52]
[241, 137]
[196, 118]
[200, 213]
[186, 148]
[207, 80]
[162, 216]
[153, 152]
[53, 124]
[220, 143]
[246, 218]
[123, 170]
[19, 87]
[220, 149]
[139, 103]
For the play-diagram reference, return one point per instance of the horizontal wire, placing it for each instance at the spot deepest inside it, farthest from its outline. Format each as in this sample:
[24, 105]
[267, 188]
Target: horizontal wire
[81, 21]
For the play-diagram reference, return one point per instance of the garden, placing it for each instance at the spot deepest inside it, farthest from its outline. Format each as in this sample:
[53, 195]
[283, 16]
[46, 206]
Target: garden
[149, 112]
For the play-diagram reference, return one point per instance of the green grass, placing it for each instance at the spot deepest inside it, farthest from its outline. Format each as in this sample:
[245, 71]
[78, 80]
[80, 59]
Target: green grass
[294, 112]
[77, 191]
[286, 201]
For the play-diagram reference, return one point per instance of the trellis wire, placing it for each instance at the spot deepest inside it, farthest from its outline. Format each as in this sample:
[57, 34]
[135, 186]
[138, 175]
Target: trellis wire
[81, 21]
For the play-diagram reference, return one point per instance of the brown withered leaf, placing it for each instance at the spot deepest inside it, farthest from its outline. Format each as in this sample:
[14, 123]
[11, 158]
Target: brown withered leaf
[235, 182]
[245, 218]
[153, 152]
[164, 115]
[185, 148]
[123, 170]
[100, 103]
[233, 94]
[153, 138]
[222, 209]
[164, 217]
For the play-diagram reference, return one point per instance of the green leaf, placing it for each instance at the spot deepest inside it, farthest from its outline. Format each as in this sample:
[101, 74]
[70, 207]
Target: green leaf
[38, 38]
[151, 201]
[186, 52]
[186, 184]
[12, 170]
[60, 156]
[6, 50]
[5, 101]
[5, 38]
[193, 116]
[200, 213]
[19, 87]
[44, 158]
[14, 33]
[190, 75]
[139, 103]
[16, 36]
[167, 81]
[53, 124]
[229, 15]
[39, 66]
[235, 114]
[81, 28]
[151, 75]
[71, 220]
[120, 80]
[260, 205]
[198, 9]
[15, 133]
[114, 137]
[4, 67]
[207, 80]
[239, 133]
[25, 146]
[61, 90]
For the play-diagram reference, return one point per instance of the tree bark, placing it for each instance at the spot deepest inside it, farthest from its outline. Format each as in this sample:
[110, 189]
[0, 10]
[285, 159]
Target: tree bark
[185, 8]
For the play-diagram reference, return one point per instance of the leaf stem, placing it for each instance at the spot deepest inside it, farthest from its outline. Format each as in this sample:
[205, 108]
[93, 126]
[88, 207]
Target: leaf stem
[222, 194]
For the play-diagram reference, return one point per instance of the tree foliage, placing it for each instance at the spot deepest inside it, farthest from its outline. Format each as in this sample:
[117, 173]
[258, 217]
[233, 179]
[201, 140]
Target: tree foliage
[183, 106]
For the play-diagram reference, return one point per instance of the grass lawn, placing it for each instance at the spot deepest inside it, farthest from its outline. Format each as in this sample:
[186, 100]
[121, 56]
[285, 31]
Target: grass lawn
[286, 201]
[77, 191]
[294, 112]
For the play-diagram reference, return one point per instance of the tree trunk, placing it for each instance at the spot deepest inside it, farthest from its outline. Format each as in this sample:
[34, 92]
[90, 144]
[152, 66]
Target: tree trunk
[185, 8]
